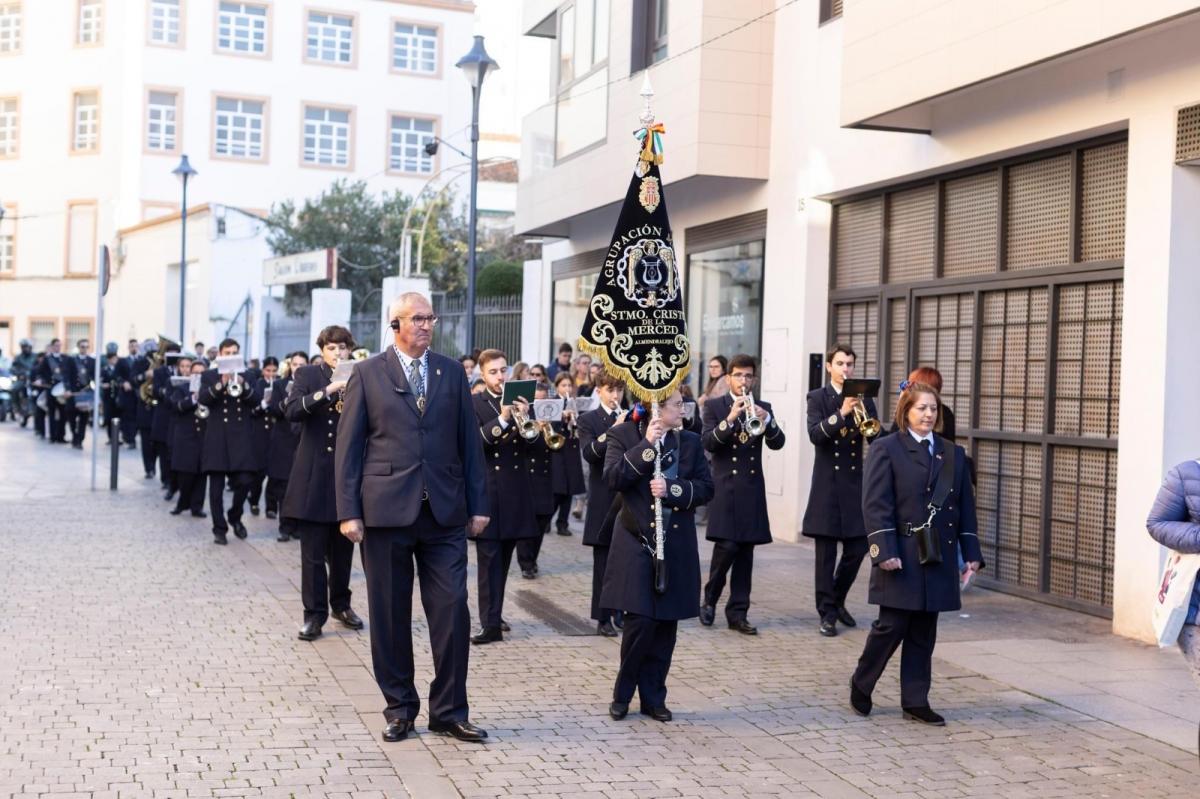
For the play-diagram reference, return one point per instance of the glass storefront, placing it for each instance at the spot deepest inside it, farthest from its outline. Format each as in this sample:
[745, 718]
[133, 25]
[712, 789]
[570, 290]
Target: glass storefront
[724, 288]
[571, 298]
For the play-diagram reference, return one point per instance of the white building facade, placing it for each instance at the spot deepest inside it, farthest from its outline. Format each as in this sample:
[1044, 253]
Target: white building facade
[963, 186]
[269, 99]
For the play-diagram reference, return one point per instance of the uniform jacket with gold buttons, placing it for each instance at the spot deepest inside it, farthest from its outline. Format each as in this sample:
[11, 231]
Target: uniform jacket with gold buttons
[835, 499]
[738, 511]
[507, 457]
[229, 434]
[311, 491]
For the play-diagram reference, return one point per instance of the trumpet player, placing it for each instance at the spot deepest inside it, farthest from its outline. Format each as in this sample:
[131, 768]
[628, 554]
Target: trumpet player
[228, 443]
[510, 435]
[187, 440]
[735, 429]
[566, 464]
[540, 459]
[834, 512]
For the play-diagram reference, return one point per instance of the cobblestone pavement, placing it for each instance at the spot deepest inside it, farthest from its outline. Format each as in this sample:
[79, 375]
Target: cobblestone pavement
[140, 660]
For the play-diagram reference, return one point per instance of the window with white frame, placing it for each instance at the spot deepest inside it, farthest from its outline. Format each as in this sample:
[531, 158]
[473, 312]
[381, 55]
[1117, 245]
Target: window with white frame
[326, 136]
[91, 18]
[10, 27]
[42, 331]
[86, 136]
[161, 127]
[414, 48]
[242, 28]
[8, 242]
[164, 22]
[240, 127]
[406, 144]
[9, 127]
[330, 38]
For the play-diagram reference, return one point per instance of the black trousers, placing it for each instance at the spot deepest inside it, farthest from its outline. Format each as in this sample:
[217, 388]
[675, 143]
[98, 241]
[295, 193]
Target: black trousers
[276, 489]
[256, 486]
[727, 556]
[646, 649]
[149, 453]
[129, 428]
[917, 631]
[216, 498]
[162, 453]
[528, 549]
[562, 511]
[599, 565]
[80, 422]
[833, 577]
[441, 564]
[325, 560]
[494, 558]
[58, 420]
[191, 492]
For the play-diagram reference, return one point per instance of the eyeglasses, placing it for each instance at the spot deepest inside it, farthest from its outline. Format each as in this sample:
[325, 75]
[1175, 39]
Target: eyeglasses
[421, 320]
[675, 404]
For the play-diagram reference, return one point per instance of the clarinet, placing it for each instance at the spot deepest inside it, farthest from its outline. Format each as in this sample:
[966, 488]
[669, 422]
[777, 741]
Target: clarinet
[660, 534]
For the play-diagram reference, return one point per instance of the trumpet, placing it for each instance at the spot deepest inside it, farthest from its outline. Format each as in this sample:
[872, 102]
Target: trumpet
[528, 428]
[750, 422]
[554, 440]
[202, 411]
[236, 386]
[867, 426]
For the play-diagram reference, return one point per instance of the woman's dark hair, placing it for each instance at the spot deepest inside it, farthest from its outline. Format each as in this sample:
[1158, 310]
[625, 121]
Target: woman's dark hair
[270, 360]
[908, 398]
[335, 334]
[712, 381]
[565, 377]
[316, 358]
[228, 342]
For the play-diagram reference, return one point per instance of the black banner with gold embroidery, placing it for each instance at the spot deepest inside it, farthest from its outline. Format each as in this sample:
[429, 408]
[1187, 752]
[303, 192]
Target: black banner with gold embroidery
[635, 322]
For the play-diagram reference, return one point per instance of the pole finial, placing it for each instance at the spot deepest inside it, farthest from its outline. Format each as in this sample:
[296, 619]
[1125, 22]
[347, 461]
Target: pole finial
[647, 92]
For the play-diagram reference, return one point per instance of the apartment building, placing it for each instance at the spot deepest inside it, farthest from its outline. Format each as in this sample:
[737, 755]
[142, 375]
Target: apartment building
[959, 184]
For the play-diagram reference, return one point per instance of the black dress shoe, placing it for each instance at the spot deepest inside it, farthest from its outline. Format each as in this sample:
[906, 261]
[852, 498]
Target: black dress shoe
[563, 530]
[708, 613]
[239, 530]
[828, 628]
[254, 510]
[462, 730]
[349, 618]
[744, 627]
[398, 730]
[528, 574]
[658, 713]
[219, 538]
[845, 618]
[924, 715]
[170, 495]
[199, 514]
[283, 538]
[861, 702]
[311, 631]
[176, 511]
[504, 628]
[606, 629]
[618, 710]
[272, 514]
[486, 636]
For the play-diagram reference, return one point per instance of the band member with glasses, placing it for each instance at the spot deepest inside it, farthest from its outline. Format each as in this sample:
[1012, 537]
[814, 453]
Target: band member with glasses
[920, 508]
[594, 427]
[834, 512]
[652, 619]
[228, 443]
[410, 481]
[737, 516]
[187, 440]
[506, 449]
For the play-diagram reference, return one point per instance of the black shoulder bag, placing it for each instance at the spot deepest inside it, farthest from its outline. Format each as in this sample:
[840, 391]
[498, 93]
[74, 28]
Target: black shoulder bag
[928, 550]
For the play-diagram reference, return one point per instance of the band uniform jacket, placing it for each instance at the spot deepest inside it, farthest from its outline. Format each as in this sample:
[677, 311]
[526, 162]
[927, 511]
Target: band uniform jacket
[187, 431]
[145, 413]
[593, 444]
[389, 453]
[629, 577]
[566, 464]
[56, 369]
[835, 499]
[509, 484]
[126, 398]
[161, 412]
[229, 434]
[84, 372]
[899, 484]
[738, 511]
[264, 423]
[285, 434]
[541, 477]
[312, 481]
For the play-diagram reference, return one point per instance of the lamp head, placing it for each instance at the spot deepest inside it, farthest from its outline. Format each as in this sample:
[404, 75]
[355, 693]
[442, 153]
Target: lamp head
[184, 170]
[475, 64]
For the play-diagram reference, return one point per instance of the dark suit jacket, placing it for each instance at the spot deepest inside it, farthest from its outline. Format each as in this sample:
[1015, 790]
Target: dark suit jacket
[593, 444]
[738, 511]
[311, 492]
[187, 431]
[629, 577]
[899, 484]
[388, 452]
[509, 480]
[229, 434]
[835, 499]
[161, 412]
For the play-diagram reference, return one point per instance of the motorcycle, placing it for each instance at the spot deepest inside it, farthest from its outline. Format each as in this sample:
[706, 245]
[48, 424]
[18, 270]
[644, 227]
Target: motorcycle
[7, 385]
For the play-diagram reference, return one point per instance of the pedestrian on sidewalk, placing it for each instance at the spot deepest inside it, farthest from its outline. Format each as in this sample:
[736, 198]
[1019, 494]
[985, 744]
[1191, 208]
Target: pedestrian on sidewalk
[920, 508]
[1174, 522]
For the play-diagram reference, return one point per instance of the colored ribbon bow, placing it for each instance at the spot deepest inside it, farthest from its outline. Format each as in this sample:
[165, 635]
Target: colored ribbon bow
[652, 145]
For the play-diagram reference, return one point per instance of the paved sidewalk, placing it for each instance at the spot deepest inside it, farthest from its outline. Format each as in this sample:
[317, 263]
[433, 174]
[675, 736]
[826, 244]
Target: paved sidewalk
[140, 660]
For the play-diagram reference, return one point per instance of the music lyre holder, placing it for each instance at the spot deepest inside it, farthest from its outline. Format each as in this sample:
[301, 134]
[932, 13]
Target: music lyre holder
[861, 387]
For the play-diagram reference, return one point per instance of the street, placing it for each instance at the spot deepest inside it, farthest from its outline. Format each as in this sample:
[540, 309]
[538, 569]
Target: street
[139, 660]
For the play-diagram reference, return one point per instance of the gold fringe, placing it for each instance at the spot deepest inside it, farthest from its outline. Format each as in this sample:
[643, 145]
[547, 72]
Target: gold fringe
[623, 373]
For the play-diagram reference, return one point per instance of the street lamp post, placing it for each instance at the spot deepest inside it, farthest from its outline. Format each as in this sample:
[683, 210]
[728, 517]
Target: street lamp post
[183, 172]
[475, 66]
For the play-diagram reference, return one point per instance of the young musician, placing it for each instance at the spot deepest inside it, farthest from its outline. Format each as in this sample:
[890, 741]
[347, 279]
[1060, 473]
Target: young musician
[187, 440]
[737, 517]
[593, 444]
[834, 512]
[652, 619]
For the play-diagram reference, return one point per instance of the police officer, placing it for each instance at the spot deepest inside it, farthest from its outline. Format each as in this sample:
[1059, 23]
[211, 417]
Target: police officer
[281, 451]
[510, 496]
[834, 510]
[908, 475]
[737, 517]
[228, 442]
[187, 440]
[652, 619]
[593, 444]
[541, 485]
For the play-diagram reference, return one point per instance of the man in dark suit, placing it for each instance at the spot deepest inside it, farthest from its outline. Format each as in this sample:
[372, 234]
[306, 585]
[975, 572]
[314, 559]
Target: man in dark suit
[834, 510]
[187, 441]
[161, 417]
[127, 397]
[507, 453]
[143, 370]
[737, 516]
[53, 370]
[228, 442]
[593, 444]
[83, 377]
[313, 403]
[652, 619]
[409, 475]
